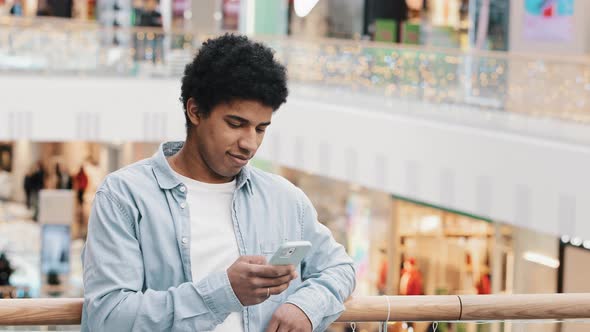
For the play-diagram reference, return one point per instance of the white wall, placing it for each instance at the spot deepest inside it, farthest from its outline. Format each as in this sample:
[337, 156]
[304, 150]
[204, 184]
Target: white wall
[580, 44]
[529, 181]
[90, 109]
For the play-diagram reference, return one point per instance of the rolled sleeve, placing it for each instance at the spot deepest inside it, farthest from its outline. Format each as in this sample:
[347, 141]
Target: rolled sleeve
[218, 295]
[307, 300]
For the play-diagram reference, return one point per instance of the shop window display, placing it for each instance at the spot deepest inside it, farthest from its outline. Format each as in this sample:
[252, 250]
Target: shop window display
[463, 247]
[440, 252]
[408, 235]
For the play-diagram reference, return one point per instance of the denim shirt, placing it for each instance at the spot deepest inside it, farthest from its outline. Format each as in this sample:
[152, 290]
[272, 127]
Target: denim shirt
[137, 267]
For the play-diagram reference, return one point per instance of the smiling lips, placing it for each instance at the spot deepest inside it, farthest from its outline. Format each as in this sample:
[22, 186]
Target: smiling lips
[238, 159]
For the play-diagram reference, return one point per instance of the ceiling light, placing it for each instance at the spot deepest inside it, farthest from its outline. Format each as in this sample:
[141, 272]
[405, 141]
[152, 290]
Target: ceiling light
[303, 7]
[541, 259]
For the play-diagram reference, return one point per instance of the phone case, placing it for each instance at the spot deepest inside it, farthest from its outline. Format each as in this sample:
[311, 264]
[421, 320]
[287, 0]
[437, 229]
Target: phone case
[290, 253]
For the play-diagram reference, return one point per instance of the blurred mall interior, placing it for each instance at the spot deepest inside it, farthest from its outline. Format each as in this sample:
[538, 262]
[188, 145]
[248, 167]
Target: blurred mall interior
[447, 137]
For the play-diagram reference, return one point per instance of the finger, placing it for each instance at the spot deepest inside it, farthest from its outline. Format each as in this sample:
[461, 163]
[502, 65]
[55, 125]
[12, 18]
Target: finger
[271, 271]
[283, 328]
[259, 260]
[278, 289]
[266, 292]
[273, 326]
[272, 282]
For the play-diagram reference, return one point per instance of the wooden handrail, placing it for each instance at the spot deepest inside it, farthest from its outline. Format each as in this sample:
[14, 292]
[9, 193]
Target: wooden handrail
[40, 311]
[360, 309]
[402, 308]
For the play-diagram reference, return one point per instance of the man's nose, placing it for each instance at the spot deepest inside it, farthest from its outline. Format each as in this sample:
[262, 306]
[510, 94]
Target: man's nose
[249, 141]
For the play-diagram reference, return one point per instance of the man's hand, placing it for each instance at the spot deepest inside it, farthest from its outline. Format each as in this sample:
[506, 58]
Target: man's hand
[289, 318]
[253, 281]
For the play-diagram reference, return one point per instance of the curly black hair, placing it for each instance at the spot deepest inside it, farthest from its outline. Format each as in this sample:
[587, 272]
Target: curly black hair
[232, 67]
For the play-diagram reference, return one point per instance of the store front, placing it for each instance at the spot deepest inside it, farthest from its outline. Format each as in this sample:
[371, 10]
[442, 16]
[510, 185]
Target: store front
[439, 23]
[453, 251]
[404, 247]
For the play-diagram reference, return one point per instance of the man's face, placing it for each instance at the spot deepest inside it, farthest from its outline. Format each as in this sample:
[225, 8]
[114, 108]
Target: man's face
[230, 136]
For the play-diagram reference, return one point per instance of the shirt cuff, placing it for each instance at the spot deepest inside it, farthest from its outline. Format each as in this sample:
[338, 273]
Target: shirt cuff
[218, 295]
[307, 301]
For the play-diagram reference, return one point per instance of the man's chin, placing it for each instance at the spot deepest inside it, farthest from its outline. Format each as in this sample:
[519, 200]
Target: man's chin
[233, 171]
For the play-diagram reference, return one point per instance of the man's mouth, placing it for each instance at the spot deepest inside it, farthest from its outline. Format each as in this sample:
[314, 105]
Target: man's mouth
[239, 159]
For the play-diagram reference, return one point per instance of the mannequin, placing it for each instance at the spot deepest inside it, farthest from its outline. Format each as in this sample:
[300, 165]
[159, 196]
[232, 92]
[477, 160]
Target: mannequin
[411, 278]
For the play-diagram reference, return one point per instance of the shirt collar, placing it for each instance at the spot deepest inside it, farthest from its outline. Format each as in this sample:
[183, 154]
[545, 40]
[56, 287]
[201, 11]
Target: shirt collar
[165, 175]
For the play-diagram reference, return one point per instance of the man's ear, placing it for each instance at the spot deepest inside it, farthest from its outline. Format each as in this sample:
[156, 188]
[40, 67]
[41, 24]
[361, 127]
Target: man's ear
[192, 111]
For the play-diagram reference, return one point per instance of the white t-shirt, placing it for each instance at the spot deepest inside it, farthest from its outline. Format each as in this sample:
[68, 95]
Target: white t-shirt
[213, 242]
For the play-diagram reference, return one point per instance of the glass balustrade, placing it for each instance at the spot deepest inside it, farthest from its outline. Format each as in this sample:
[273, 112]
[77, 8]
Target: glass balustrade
[503, 82]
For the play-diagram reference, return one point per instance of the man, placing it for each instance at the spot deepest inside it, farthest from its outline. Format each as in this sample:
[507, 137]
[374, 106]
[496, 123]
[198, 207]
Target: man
[179, 242]
[5, 270]
[81, 180]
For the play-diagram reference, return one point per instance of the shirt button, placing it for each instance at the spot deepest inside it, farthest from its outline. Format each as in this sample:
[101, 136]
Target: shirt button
[184, 240]
[182, 205]
[182, 188]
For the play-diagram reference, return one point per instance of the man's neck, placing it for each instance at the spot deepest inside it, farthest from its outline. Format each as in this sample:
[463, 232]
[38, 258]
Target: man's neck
[188, 162]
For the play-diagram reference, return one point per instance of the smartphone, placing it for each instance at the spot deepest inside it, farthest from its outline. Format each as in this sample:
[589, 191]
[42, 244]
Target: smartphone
[290, 253]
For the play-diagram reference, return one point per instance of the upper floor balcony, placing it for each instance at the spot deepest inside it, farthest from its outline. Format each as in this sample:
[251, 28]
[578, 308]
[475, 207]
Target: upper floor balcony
[530, 84]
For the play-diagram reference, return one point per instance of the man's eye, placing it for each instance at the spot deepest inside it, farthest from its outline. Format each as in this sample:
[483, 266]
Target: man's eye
[260, 130]
[233, 125]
